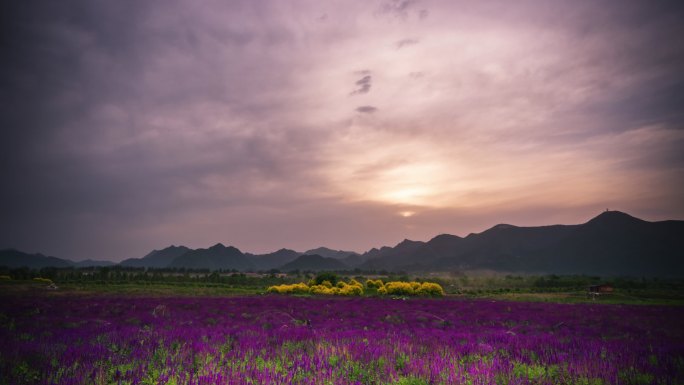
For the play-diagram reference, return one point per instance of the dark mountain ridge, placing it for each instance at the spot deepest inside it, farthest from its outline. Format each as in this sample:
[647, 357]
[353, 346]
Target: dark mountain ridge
[314, 262]
[216, 257]
[613, 243]
[157, 258]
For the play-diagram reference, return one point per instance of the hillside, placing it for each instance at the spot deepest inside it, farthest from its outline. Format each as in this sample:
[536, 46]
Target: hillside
[214, 258]
[314, 263]
[157, 258]
[14, 259]
[613, 243]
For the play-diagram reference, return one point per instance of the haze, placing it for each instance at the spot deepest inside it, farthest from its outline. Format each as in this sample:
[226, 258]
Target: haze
[128, 125]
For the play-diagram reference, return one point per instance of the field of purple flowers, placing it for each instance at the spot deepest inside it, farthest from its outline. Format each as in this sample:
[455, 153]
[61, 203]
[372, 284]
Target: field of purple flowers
[290, 340]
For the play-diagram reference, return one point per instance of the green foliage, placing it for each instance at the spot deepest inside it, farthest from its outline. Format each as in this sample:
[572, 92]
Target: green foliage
[326, 276]
[533, 372]
[410, 381]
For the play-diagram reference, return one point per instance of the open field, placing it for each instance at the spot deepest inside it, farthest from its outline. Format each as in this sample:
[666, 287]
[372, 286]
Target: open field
[550, 288]
[109, 339]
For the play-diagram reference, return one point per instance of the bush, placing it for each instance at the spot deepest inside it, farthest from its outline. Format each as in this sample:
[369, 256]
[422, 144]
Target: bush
[411, 288]
[399, 288]
[295, 288]
[374, 284]
[430, 289]
[323, 289]
[353, 288]
[326, 276]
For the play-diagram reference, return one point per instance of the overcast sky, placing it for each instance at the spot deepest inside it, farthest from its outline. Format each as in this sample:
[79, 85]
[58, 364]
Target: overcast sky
[132, 125]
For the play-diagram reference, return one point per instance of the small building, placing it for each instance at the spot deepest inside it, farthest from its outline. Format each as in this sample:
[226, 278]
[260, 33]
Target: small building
[596, 290]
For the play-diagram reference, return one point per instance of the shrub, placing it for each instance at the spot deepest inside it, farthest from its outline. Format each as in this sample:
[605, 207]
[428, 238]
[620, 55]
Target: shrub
[295, 288]
[430, 289]
[326, 288]
[411, 288]
[351, 290]
[374, 284]
[399, 288]
[326, 276]
[42, 280]
[323, 289]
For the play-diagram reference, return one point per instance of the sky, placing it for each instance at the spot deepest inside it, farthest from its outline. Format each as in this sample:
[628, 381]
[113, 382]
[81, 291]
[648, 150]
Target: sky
[127, 126]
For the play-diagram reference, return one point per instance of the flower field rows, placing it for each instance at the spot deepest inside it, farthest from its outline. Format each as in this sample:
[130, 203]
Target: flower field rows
[285, 340]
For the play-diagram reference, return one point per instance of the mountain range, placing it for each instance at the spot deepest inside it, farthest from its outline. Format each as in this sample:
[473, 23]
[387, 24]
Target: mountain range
[613, 243]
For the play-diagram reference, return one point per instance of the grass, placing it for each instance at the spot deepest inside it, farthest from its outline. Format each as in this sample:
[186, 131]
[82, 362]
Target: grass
[643, 296]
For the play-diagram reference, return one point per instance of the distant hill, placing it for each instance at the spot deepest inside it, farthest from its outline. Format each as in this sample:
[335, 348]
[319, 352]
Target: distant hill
[274, 260]
[214, 258]
[157, 258]
[14, 259]
[330, 253]
[92, 263]
[314, 263]
[613, 243]
[400, 254]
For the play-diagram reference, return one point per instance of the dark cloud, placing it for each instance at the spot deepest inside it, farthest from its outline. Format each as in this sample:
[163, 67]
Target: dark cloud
[400, 9]
[366, 109]
[363, 85]
[406, 42]
[127, 125]
[107, 113]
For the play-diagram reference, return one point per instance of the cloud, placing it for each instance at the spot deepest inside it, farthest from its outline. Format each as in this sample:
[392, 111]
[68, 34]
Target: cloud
[130, 126]
[406, 42]
[363, 85]
[366, 109]
[400, 8]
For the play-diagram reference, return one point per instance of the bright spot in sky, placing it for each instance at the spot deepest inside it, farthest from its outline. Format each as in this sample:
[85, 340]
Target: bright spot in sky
[407, 214]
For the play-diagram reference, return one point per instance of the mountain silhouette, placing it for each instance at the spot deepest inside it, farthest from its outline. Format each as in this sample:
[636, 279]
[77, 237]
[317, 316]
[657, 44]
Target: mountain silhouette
[314, 263]
[274, 260]
[330, 253]
[613, 243]
[92, 263]
[15, 259]
[157, 258]
[214, 258]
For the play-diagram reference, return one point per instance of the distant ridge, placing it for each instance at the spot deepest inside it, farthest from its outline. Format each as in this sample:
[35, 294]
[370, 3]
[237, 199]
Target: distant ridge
[612, 243]
[14, 259]
[214, 258]
[157, 258]
[329, 253]
[314, 263]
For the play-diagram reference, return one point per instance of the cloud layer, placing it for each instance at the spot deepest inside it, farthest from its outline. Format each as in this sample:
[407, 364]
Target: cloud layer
[130, 126]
